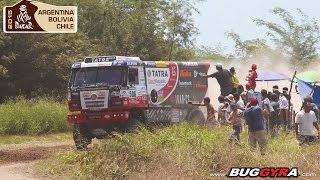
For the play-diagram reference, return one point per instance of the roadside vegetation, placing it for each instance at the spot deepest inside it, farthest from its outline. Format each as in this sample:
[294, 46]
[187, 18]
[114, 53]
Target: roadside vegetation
[20, 116]
[8, 140]
[180, 151]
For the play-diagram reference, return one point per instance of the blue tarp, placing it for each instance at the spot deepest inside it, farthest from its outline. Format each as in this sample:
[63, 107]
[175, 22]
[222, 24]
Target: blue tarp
[306, 89]
[271, 76]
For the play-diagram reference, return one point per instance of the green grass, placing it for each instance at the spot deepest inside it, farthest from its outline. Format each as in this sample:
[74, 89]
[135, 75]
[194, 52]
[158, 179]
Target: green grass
[181, 151]
[7, 140]
[36, 116]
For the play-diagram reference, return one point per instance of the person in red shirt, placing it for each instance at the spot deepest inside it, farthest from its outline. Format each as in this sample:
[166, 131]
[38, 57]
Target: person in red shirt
[253, 76]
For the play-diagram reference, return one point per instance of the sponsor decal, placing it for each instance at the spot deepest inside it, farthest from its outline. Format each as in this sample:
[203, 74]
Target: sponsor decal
[199, 85]
[162, 79]
[94, 96]
[175, 115]
[187, 83]
[161, 64]
[174, 71]
[263, 172]
[132, 93]
[132, 63]
[159, 73]
[134, 101]
[156, 81]
[190, 64]
[185, 73]
[182, 99]
[28, 16]
[196, 73]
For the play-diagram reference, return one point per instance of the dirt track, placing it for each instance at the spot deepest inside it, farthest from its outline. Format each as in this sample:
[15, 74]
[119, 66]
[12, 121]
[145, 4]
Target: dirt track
[16, 161]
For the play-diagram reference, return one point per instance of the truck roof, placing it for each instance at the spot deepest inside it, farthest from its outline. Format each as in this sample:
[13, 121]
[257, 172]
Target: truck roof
[99, 61]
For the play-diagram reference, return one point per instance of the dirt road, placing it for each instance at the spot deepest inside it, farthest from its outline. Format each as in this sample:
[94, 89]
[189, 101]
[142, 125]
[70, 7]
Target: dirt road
[16, 161]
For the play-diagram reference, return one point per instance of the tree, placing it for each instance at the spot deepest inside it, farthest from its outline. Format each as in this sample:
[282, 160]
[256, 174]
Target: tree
[179, 26]
[247, 48]
[297, 39]
[206, 52]
[39, 64]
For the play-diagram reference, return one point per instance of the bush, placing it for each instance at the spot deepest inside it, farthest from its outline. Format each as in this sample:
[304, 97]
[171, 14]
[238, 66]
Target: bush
[181, 151]
[35, 116]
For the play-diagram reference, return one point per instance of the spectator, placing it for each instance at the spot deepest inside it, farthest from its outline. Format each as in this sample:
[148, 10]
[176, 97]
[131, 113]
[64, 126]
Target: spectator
[315, 108]
[239, 102]
[221, 110]
[228, 100]
[223, 77]
[253, 76]
[234, 79]
[266, 107]
[249, 93]
[304, 122]
[254, 120]
[235, 119]
[274, 121]
[284, 110]
[240, 89]
[211, 118]
[275, 89]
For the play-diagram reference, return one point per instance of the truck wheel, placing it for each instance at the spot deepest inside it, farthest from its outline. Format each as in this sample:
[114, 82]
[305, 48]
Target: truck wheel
[81, 137]
[133, 125]
[196, 116]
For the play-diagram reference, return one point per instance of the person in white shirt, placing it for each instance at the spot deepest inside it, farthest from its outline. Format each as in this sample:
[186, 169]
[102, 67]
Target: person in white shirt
[284, 110]
[304, 122]
[267, 108]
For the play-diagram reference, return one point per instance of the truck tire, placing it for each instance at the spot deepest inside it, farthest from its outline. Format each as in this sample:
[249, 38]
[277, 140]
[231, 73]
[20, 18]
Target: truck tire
[133, 125]
[81, 137]
[196, 116]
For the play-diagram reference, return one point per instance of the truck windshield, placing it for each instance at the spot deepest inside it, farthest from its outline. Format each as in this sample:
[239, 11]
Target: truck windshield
[101, 76]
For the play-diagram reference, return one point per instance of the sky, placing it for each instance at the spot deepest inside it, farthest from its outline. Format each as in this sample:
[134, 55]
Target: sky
[219, 16]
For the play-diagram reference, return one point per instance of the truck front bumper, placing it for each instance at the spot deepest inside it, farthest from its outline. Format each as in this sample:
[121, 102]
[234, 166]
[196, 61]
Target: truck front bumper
[93, 117]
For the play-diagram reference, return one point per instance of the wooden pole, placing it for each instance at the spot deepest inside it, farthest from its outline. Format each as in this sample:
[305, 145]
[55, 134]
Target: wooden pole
[289, 100]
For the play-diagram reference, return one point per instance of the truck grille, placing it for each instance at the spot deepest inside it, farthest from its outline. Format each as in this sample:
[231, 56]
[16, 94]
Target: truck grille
[94, 100]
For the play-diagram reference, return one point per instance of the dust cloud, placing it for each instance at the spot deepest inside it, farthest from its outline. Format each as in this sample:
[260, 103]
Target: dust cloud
[265, 62]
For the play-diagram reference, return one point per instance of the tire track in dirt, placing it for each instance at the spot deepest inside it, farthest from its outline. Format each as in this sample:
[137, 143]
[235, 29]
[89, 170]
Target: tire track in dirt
[27, 154]
[16, 162]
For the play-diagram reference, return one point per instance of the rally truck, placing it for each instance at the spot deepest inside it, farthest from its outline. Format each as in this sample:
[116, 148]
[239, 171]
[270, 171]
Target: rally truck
[118, 92]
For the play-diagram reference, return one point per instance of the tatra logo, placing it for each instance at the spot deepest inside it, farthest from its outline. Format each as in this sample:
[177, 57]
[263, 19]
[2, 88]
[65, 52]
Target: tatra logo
[159, 73]
[31, 16]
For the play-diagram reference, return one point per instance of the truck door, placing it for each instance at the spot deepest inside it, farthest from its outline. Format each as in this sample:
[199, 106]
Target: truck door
[137, 87]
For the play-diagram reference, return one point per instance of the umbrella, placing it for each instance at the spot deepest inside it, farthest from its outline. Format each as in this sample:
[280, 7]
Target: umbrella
[309, 89]
[271, 76]
[308, 76]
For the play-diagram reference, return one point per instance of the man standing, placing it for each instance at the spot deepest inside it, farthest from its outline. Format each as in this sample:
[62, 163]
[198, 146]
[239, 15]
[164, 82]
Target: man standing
[234, 79]
[284, 110]
[253, 76]
[304, 122]
[223, 77]
[254, 120]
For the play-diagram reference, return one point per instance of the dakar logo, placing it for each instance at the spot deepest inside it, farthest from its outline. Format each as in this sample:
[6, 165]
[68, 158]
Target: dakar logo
[29, 16]
[23, 19]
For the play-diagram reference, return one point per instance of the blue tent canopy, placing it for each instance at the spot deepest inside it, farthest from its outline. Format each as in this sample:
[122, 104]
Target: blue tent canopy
[309, 89]
[271, 76]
